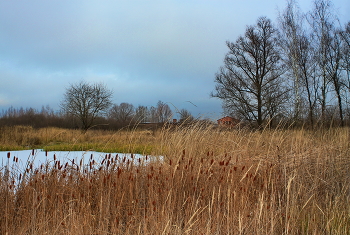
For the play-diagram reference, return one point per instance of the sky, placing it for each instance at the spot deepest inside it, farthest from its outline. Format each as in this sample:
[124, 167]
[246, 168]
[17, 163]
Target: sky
[142, 50]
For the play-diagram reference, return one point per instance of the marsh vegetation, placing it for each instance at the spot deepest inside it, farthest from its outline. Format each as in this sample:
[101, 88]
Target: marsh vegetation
[210, 181]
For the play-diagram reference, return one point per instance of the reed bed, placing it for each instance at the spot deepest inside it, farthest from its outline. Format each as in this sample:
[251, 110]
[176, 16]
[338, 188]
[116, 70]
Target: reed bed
[209, 181]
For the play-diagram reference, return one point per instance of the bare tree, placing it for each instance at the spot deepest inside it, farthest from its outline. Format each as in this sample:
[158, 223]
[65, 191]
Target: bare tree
[123, 113]
[298, 54]
[291, 28]
[250, 82]
[345, 65]
[334, 69]
[142, 114]
[86, 101]
[163, 112]
[185, 116]
[328, 44]
[321, 20]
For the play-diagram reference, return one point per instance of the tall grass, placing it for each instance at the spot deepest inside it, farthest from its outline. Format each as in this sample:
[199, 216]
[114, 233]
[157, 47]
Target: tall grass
[210, 181]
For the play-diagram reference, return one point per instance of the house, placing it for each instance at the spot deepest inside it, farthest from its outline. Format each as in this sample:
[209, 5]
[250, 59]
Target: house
[228, 121]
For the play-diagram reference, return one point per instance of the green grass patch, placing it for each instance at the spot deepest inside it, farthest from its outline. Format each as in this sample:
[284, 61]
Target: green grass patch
[112, 148]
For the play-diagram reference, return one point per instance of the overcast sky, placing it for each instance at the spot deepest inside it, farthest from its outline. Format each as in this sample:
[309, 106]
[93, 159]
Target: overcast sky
[143, 50]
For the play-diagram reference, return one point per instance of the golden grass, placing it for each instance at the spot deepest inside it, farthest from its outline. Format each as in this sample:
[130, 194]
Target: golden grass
[210, 181]
[58, 139]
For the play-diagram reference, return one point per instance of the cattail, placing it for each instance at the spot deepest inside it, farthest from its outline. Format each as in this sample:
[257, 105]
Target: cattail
[46, 153]
[8, 155]
[54, 157]
[170, 162]
[32, 152]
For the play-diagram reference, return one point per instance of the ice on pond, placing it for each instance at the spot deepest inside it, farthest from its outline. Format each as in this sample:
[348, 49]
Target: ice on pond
[21, 159]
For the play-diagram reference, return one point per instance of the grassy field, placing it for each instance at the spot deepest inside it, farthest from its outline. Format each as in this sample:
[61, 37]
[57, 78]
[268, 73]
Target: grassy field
[211, 181]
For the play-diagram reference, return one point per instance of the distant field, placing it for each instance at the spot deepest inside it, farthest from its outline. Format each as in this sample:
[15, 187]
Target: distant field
[211, 181]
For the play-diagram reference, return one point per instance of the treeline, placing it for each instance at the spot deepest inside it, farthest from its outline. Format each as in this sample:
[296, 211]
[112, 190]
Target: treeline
[296, 70]
[118, 116]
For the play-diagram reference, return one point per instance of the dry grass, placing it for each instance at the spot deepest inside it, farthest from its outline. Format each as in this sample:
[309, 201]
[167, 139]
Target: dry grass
[26, 137]
[210, 182]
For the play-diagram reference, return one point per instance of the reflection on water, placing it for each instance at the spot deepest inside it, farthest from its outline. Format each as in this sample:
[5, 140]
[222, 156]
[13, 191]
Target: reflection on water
[20, 159]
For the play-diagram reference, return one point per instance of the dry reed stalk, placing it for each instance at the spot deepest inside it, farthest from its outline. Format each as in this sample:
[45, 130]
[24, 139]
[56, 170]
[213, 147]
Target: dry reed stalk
[210, 182]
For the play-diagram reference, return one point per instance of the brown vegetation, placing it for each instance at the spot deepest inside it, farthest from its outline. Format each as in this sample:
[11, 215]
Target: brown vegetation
[209, 182]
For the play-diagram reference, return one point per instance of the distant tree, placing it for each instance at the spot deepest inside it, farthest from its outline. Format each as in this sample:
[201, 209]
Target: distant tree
[86, 101]
[185, 116]
[153, 116]
[141, 114]
[250, 84]
[123, 113]
[163, 112]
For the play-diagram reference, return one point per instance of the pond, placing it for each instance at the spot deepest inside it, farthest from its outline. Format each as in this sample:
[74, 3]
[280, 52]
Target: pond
[19, 160]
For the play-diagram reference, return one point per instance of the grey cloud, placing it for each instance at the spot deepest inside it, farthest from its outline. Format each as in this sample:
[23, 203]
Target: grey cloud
[145, 51]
